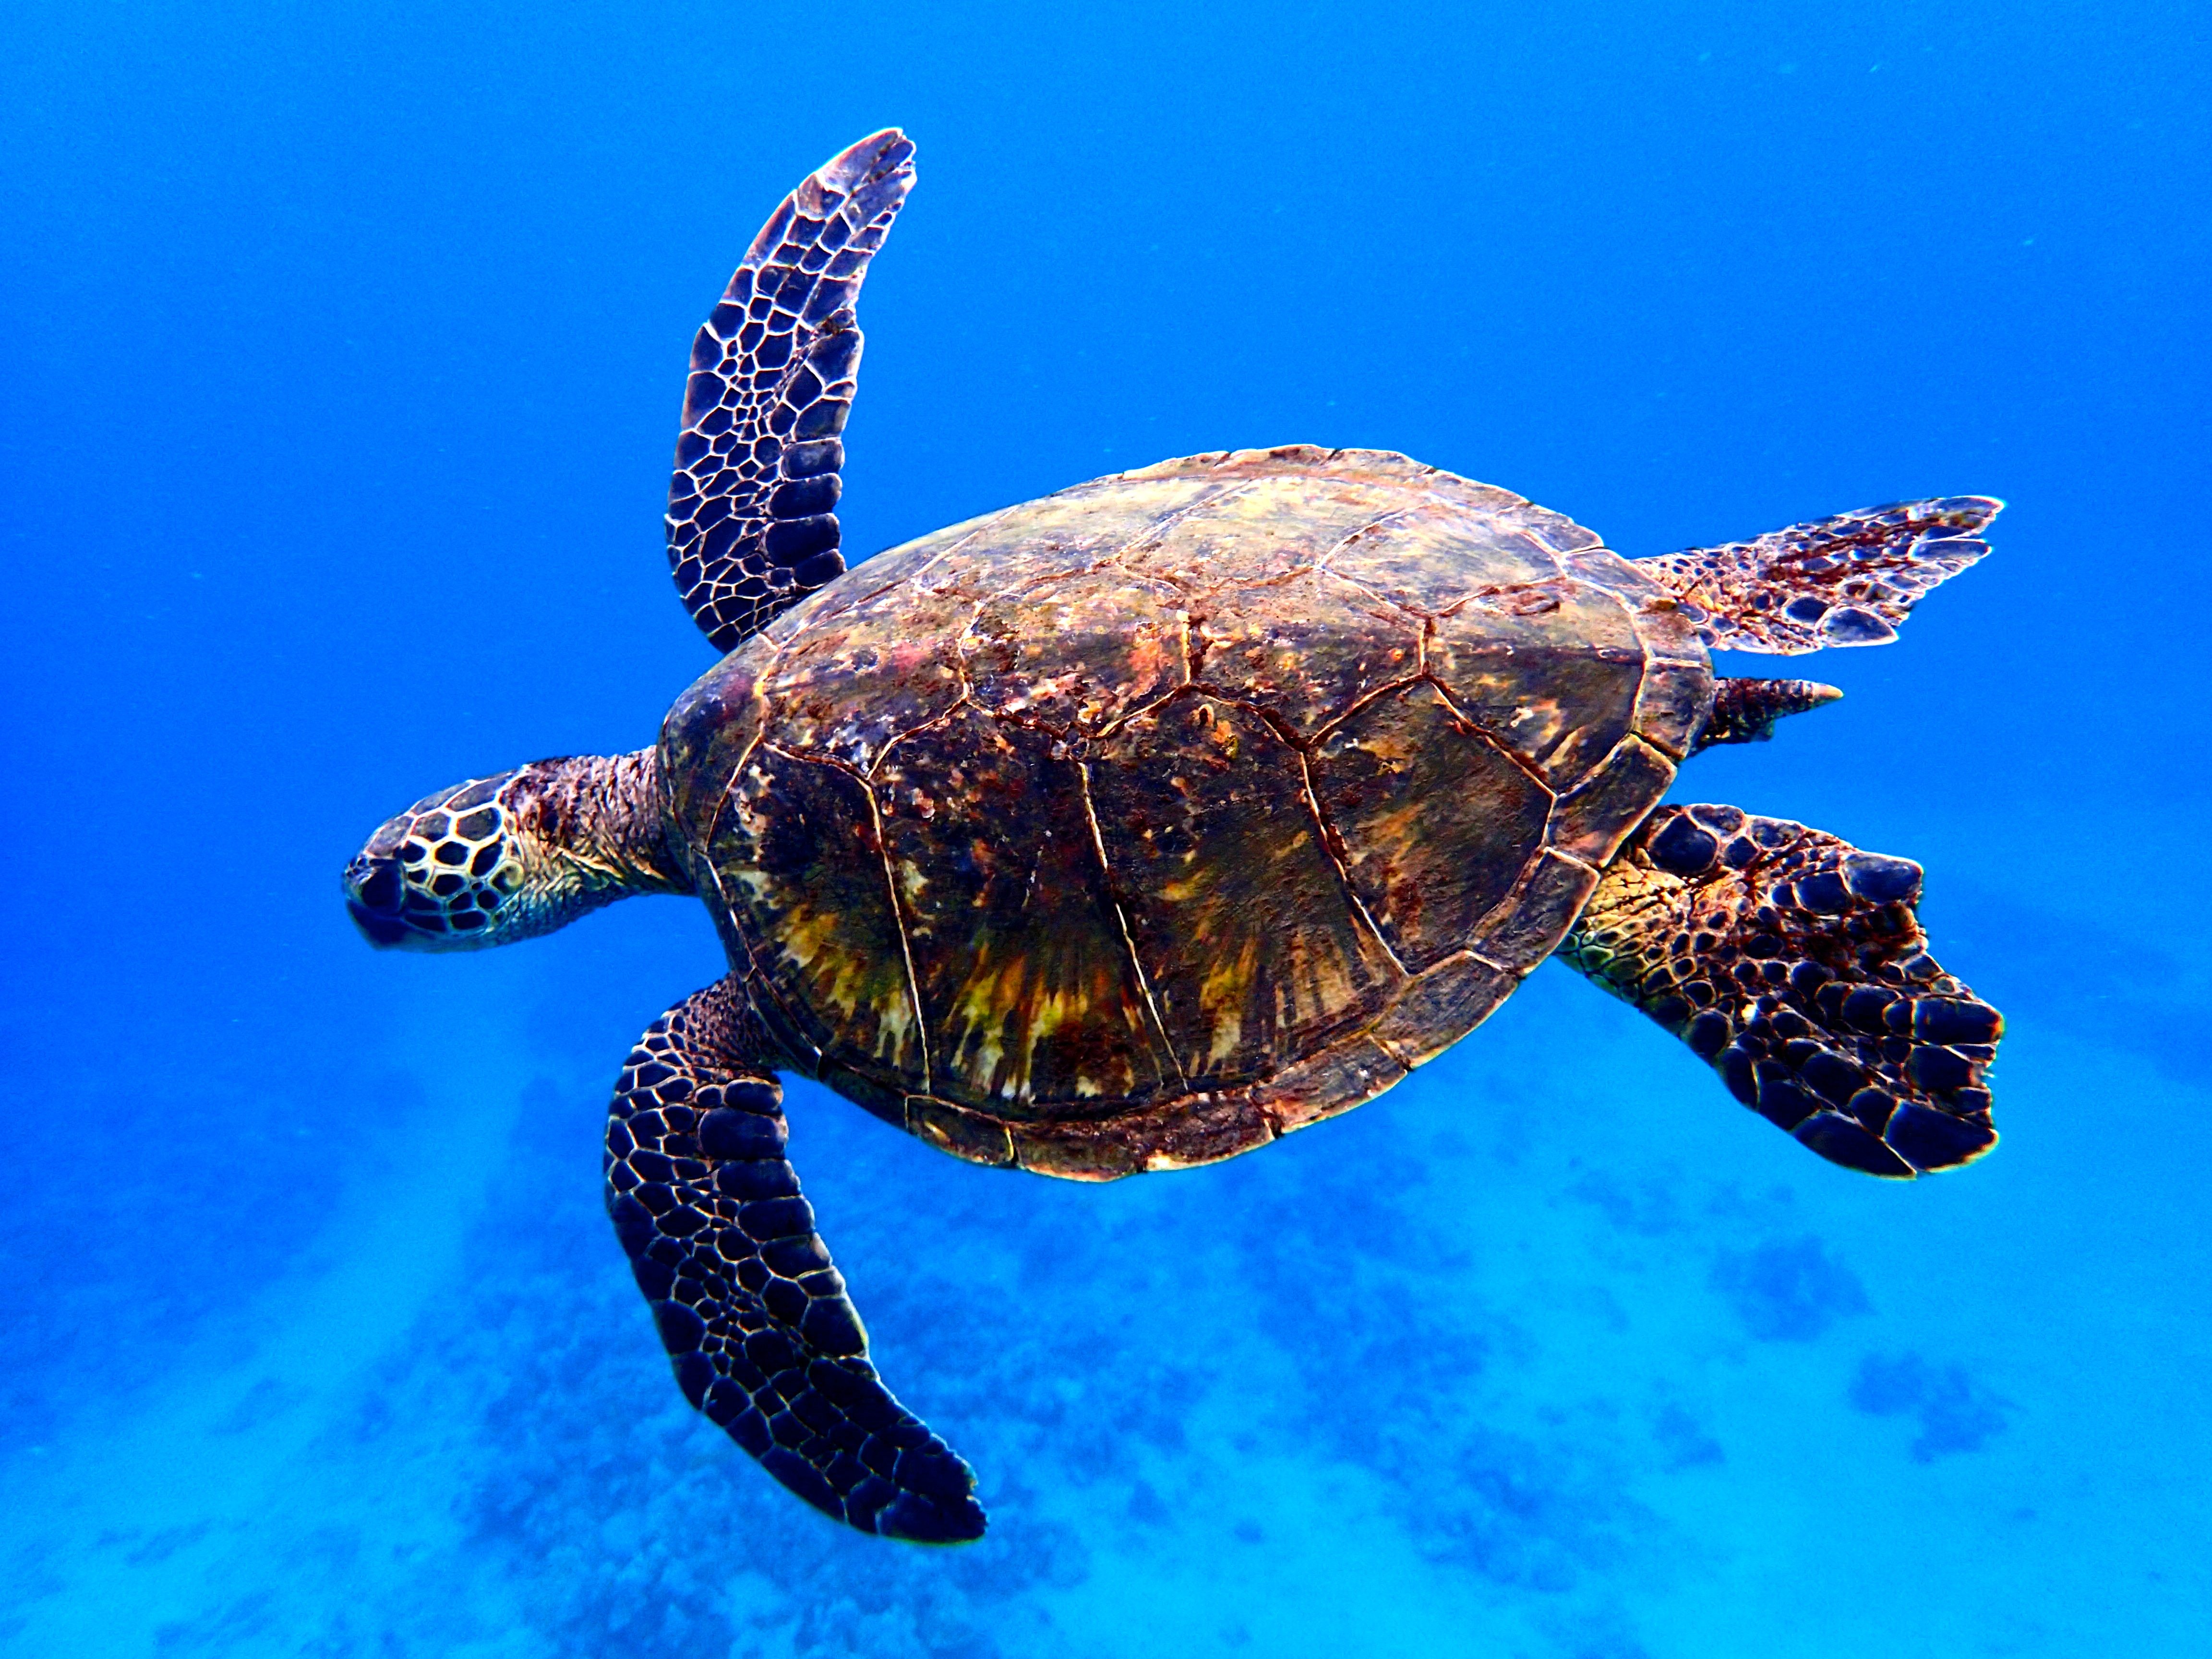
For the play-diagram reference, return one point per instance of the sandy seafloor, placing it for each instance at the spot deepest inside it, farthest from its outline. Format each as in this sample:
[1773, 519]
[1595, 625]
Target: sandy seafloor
[344, 359]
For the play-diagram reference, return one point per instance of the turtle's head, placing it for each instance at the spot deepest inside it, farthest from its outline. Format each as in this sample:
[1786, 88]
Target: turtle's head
[505, 858]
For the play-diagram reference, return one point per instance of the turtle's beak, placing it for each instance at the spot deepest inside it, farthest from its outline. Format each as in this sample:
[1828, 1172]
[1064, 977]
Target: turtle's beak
[375, 895]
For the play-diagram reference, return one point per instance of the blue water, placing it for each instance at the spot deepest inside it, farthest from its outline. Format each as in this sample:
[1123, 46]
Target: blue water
[342, 351]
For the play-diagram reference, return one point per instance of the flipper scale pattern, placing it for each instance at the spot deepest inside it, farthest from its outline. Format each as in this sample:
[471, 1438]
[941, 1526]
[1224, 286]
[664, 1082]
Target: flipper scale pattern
[754, 1315]
[1795, 965]
[1849, 579]
[751, 528]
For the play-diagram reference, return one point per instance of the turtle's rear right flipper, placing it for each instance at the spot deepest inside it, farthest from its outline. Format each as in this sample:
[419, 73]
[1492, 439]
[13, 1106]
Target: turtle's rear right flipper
[1795, 964]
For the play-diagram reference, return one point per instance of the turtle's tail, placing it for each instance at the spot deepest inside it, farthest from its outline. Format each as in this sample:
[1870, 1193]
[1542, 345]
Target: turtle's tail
[1745, 710]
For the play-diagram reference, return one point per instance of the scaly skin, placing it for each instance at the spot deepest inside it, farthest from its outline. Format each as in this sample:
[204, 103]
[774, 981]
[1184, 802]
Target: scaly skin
[1845, 580]
[1795, 964]
[751, 526]
[755, 1317]
[1745, 710]
[506, 858]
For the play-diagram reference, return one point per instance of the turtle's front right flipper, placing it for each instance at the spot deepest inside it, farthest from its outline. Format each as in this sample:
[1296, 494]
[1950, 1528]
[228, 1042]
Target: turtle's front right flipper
[1795, 964]
[764, 1340]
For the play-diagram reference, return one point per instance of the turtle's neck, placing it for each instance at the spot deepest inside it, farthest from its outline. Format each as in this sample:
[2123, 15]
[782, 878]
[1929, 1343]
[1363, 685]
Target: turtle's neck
[601, 816]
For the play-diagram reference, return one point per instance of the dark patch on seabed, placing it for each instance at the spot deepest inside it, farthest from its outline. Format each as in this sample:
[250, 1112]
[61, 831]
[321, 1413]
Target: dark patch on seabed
[1788, 1291]
[1954, 1412]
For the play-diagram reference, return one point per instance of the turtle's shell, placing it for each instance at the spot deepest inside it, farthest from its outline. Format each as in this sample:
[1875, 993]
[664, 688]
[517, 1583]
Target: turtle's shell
[1132, 827]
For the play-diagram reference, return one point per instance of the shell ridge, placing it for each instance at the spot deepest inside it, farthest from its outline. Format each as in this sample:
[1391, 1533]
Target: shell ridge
[745, 756]
[1360, 702]
[1128, 938]
[1211, 495]
[1525, 762]
[836, 763]
[913, 577]
[1379, 598]
[757, 981]
[965, 700]
[1189, 681]
[1229, 699]
[1029, 585]
[1331, 838]
[1351, 536]
[906, 945]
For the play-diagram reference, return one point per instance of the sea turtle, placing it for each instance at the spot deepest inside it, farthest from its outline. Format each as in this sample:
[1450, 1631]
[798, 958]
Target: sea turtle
[1133, 827]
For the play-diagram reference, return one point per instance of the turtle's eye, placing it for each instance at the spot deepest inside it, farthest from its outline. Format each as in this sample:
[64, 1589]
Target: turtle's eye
[376, 894]
[381, 888]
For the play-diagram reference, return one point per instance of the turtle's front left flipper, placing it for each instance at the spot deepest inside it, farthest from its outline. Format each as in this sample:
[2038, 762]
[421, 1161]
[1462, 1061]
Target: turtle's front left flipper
[751, 525]
[764, 1340]
[1795, 964]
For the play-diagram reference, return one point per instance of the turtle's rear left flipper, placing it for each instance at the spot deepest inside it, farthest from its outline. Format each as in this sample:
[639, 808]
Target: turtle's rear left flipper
[1795, 964]
[764, 1339]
